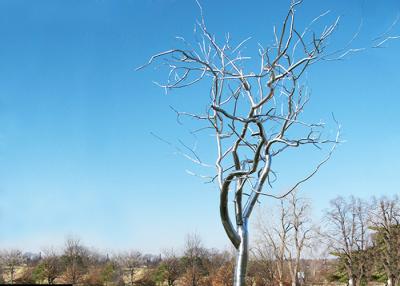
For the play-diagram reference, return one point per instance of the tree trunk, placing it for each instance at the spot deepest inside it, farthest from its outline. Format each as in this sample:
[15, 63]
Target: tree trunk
[351, 281]
[280, 273]
[390, 281]
[295, 273]
[242, 254]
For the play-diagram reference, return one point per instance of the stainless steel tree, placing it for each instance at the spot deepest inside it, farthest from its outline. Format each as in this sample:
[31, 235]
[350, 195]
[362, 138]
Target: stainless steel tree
[254, 111]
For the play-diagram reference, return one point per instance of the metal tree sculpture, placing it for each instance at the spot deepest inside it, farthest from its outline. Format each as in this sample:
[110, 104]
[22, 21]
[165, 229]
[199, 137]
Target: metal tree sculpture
[251, 112]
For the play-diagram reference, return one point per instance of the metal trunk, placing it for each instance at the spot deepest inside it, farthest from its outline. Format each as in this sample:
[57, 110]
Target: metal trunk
[242, 255]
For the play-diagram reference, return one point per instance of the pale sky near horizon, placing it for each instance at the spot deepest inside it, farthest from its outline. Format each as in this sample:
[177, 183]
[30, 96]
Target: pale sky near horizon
[76, 152]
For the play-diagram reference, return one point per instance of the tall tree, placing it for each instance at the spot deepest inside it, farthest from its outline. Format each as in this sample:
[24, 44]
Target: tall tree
[10, 261]
[302, 233]
[170, 267]
[192, 259]
[286, 234]
[75, 259]
[348, 236]
[274, 237]
[250, 111]
[385, 221]
[50, 267]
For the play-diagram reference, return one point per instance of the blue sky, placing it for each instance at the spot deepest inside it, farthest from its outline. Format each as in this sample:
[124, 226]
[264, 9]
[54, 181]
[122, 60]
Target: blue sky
[76, 153]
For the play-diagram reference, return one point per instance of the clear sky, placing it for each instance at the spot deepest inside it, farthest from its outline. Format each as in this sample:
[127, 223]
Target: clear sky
[76, 153]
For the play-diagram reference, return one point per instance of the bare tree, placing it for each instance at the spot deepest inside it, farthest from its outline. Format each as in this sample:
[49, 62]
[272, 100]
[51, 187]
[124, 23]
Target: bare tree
[347, 234]
[274, 237]
[262, 267]
[287, 235]
[193, 259]
[385, 221]
[302, 233]
[130, 262]
[250, 112]
[10, 261]
[75, 259]
[170, 266]
[50, 267]
[219, 266]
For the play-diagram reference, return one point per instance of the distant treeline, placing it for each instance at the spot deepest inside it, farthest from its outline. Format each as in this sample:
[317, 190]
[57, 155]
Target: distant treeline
[357, 242]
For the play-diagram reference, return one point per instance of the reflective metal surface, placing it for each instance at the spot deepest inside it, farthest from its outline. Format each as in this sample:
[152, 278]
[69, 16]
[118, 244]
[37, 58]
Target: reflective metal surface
[242, 255]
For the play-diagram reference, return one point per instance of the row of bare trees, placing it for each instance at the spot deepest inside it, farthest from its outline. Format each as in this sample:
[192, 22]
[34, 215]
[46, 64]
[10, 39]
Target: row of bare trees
[365, 236]
[74, 264]
[357, 241]
[78, 265]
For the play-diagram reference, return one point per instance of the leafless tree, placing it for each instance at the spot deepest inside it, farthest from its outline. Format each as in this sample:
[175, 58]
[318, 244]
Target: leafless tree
[254, 114]
[193, 246]
[302, 233]
[10, 261]
[219, 266]
[348, 236]
[194, 253]
[75, 257]
[130, 262]
[262, 267]
[385, 221]
[274, 237]
[286, 235]
[50, 265]
[171, 266]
